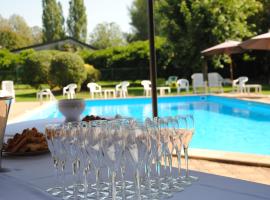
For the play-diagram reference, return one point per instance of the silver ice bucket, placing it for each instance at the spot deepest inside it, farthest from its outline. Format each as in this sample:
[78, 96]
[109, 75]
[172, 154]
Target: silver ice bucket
[5, 103]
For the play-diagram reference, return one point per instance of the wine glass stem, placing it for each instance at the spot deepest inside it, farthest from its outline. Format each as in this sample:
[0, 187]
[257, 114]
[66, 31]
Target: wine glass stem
[170, 163]
[113, 175]
[148, 175]
[85, 182]
[97, 171]
[158, 166]
[74, 170]
[123, 172]
[138, 185]
[186, 161]
[179, 162]
[165, 163]
[63, 178]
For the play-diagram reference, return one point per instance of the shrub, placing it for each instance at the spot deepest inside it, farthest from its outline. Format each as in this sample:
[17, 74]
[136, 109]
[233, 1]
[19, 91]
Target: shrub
[34, 69]
[92, 75]
[67, 68]
[8, 64]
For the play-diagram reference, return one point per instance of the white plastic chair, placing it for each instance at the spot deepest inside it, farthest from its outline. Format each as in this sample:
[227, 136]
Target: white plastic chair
[171, 80]
[239, 84]
[215, 81]
[94, 88]
[8, 89]
[47, 93]
[122, 89]
[147, 87]
[198, 82]
[69, 90]
[182, 84]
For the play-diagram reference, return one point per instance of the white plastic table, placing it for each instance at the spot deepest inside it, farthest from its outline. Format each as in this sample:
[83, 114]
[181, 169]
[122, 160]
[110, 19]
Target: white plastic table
[162, 90]
[26, 178]
[47, 93]
[109, 93]
[257, 88]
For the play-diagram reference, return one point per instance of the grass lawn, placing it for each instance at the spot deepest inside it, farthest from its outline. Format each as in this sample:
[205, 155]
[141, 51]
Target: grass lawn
[27, 93]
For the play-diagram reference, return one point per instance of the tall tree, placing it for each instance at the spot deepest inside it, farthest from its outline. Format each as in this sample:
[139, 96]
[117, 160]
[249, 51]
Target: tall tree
[19, 26]
[138, 14]
[15, 33]
[107, 35]
[77, 20]
[139, 20]
[193, 25]
[53, 21]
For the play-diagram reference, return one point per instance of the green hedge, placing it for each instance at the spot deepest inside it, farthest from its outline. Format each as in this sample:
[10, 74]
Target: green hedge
[127, 62]
[52, 67]
[56, 68]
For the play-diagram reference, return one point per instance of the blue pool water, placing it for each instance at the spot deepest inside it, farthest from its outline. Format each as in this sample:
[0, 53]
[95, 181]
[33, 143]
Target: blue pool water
[221, 123]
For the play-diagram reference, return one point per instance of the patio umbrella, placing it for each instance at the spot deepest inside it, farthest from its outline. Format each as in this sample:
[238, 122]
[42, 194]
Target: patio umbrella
[228, 47]
[259, 42]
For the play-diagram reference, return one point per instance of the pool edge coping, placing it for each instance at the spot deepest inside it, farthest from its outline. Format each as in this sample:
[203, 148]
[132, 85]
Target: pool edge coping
[230, 157]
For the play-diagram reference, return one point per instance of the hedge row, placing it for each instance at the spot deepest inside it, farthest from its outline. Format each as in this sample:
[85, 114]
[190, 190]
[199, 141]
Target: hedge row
[130, 62]
[53, 67]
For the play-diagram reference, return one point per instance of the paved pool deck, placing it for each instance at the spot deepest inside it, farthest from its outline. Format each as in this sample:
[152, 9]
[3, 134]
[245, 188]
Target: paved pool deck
[21, 108]
[250, 97]
[246, 167]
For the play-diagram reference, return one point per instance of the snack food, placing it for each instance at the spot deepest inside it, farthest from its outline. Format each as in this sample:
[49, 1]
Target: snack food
[88, 118]
[29, 141]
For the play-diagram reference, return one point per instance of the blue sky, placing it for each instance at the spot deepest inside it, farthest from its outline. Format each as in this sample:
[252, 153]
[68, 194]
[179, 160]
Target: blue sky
[98, 11]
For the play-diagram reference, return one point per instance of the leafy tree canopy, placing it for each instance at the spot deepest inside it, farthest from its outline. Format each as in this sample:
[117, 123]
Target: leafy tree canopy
[107, 35]
[15, 33]
[139, 20]
[193, 25]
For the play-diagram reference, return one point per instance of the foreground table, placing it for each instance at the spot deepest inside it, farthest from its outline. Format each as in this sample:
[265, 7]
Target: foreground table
[32, 175]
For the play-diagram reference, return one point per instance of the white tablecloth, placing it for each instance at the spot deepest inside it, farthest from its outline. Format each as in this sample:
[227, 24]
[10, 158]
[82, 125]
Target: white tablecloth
[26, 178]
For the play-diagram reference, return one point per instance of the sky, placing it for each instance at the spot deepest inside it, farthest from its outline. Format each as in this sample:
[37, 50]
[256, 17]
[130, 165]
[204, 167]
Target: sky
[98, 11]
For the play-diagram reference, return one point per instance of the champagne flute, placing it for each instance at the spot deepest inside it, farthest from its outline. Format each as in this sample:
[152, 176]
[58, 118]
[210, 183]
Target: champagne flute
[94, 151]
[179, 125]
[152, 186]
[174, 139]
[186, 140]
[137, 147]
[162, 185]
[112, 142]
[50, 133]
[71, 142]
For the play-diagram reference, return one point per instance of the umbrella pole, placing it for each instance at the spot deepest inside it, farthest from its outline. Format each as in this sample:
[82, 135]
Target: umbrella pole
[153, 69]
[231, 69]
[205, 69]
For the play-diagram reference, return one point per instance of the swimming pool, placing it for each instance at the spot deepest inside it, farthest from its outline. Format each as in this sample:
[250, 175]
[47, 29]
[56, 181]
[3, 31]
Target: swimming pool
[221, 123]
